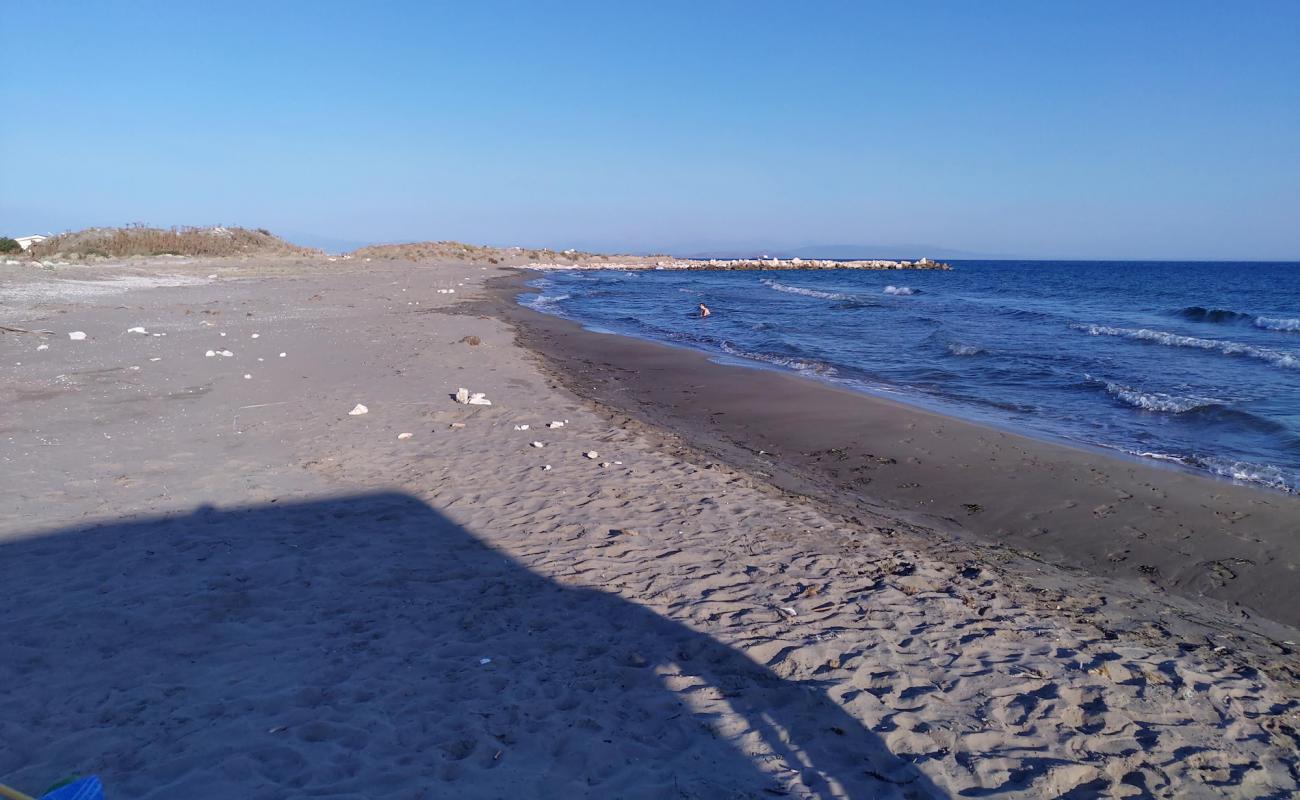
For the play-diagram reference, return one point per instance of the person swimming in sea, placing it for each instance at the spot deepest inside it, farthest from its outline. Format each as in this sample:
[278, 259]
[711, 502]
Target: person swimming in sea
[704, 311]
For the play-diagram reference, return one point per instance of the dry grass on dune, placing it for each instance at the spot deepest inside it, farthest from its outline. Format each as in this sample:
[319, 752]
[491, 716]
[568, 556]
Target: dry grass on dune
[461, 252]
[139, 240]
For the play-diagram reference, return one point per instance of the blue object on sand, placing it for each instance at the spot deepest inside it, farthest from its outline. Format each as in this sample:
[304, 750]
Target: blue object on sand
[83, 789]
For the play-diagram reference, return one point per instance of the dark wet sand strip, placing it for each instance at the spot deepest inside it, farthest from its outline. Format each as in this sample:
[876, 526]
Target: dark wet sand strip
[1232, 547]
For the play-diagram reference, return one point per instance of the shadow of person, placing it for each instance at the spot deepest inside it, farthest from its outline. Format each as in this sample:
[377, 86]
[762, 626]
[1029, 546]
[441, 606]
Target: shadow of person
[369, 647]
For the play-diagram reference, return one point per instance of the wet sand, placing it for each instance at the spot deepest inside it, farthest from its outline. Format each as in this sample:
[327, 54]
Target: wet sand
[1234, 548]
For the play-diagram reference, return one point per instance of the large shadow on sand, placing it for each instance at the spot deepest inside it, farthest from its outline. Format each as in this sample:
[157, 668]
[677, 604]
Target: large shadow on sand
[368, 647]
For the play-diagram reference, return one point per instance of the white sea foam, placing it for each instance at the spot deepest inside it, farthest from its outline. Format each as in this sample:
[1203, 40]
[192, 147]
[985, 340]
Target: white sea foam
[1277, 358]
[781, 287]
[899, 290]
[1157, 401]
[797, 364]
[1263, 474]
[546, 303]
[958, 349]
[1241, 471]
[1278, 324]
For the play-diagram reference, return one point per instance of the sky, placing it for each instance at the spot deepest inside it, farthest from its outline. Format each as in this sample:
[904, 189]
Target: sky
[1087, 130]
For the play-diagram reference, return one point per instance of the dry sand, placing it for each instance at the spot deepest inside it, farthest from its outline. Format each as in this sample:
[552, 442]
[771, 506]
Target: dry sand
[225, 586]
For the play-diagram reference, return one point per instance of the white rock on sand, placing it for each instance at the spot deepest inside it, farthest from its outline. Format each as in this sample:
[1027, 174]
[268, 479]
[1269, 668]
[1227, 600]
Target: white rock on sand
[404, 436]
[77, 336]
[358, 410]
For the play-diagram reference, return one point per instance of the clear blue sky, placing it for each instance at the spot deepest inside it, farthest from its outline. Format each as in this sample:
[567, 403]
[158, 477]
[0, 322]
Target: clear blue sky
[1039, 129]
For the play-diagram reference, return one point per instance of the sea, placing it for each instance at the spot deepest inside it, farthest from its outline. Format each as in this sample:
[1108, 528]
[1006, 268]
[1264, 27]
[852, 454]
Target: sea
[1192, 364]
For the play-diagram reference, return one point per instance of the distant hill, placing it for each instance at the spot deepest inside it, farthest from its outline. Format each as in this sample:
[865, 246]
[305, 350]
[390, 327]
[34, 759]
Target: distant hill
[847, 251]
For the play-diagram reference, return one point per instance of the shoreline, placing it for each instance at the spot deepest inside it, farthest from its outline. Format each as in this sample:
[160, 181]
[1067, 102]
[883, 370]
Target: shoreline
[1149, 527]
[214, 561]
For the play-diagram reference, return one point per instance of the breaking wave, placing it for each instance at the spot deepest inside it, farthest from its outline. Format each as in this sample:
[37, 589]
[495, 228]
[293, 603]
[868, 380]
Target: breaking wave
[1277, 358]
[959, 349]
[798, 364]
[901, 290]
[1213, 315]
[1157, 401]
[781, 287]
[1278, 324]
[1226, 316]
[1240, 471]
[546, 303]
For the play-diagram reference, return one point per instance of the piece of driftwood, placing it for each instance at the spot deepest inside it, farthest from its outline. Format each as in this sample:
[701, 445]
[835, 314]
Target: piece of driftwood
[12, 329]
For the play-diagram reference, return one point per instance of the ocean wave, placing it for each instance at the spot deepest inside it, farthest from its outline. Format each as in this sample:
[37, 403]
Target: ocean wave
[959, 349]
[1278, 324]
[1232, 469]
[901, 290]
[1158, 401]
[781, 287]
[546, 303]
[1277, 358]
[1263, 474]
[1212, 315]
[797, 364]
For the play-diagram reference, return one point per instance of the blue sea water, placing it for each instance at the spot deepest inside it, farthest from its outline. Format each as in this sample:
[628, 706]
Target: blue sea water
[1196, 364]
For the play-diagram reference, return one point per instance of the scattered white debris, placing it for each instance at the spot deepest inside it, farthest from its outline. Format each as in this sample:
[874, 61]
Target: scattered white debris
[359, 410]
[790, 611]
[156, 358]
[254, 336]
[592, 454]
[605, 464]
[225, 353]
[212, 277]
[261, 359]
[136, 329]
[481, 661]
[545, 467]
[618, 463]
[282, 355]
[555, 424]
[77, 336]
[538, 444]
[43, 347]
[247, 377]
[210, 354]
[404, 436]
[134, 368]
[465, 397]
[223, 333]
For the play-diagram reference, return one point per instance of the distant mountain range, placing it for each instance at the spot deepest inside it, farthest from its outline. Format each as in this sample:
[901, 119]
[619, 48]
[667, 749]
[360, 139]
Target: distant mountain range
[846, 251]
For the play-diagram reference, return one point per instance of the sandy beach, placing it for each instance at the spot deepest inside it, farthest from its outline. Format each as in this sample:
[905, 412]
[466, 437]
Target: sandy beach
[680, 579]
